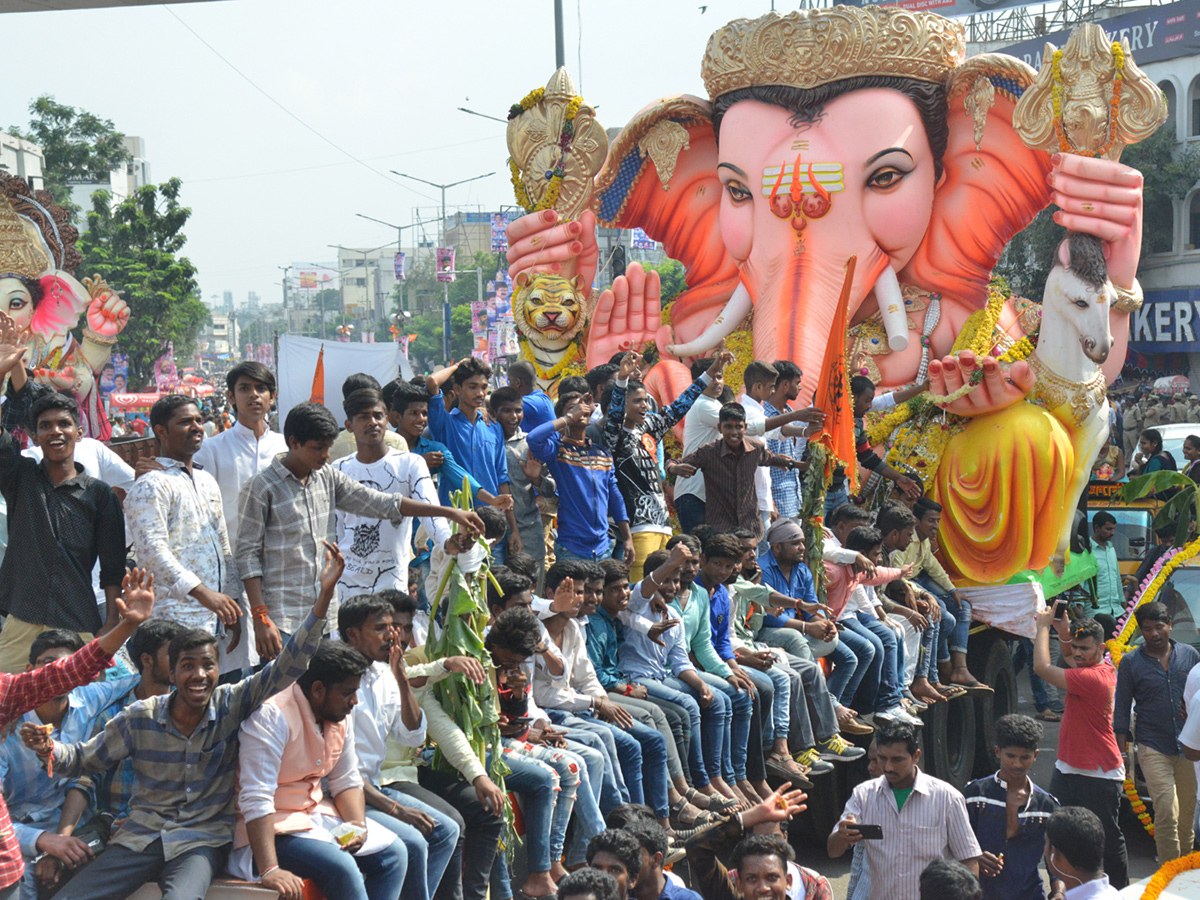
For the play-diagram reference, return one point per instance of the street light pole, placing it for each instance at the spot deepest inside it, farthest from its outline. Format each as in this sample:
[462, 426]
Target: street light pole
[442, 243]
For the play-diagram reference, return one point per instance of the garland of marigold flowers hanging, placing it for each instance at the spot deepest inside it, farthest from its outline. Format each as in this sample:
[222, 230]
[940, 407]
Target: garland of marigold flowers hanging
[1161, 879]
[1118, 646]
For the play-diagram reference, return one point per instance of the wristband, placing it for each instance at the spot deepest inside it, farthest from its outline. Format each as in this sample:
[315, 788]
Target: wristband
[395, 806]
[268, 871]
[260, 614]
[628, 690]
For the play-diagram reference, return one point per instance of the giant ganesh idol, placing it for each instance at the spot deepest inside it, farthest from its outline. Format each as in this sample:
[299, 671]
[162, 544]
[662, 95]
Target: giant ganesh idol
[39, 292]
[864, 133]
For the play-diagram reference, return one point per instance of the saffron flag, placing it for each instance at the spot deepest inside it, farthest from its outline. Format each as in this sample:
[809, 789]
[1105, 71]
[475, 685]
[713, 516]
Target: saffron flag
[833, 394]
[318, 386]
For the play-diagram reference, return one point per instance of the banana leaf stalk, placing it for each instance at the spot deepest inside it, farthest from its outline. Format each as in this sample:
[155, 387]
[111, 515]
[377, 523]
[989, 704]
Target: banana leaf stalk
[812, 515]
[1181, 501]
[474, 707]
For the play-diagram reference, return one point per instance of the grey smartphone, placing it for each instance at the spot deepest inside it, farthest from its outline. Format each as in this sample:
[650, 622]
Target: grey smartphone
[870, 832]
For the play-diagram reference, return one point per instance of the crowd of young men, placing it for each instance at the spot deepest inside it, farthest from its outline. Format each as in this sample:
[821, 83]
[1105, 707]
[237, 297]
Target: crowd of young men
[276, 719]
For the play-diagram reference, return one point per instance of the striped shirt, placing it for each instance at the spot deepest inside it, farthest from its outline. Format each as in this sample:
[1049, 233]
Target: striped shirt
[281, 523]
[29, 690]
[987, 809]
[933, 824]
[785, 483]
[185, 782]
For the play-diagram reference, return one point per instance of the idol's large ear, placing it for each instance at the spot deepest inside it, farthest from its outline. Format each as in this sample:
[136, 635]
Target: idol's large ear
[661, 176]
[992, 184]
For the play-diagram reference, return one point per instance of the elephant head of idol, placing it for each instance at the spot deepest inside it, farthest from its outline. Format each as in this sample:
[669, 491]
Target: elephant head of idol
[831, 131]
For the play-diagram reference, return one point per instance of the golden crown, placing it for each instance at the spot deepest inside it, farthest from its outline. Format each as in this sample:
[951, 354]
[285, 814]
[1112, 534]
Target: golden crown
[809, 48]
[21, 249]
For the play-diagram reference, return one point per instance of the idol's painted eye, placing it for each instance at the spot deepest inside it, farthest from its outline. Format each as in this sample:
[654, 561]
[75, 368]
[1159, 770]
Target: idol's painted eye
[738, 192]
[886, 179]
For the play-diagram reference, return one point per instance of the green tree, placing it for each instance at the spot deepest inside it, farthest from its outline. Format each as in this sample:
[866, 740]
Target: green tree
[78, 145]
[136, 248]
[329, 300]
[671, 274]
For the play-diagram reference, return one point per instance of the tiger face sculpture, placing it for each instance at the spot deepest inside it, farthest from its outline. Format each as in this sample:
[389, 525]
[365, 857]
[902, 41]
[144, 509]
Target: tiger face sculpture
[550, 313]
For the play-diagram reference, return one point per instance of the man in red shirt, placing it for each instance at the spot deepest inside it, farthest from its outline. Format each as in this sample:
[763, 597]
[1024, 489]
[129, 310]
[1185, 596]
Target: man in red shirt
[1089, 770]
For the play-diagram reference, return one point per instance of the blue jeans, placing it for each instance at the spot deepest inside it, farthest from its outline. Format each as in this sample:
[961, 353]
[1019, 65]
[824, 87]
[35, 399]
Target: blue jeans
[888, 648]
[835, 498]
[1022, 655]
[706, 727]
[691, 510]
[613, 791]
[338, 874]
[589, 820]
[962, 614]
[733, 762]
[428, 857]
[537, 785]
[625, 748]
[857, 666]
[777, 720]
[561, 552]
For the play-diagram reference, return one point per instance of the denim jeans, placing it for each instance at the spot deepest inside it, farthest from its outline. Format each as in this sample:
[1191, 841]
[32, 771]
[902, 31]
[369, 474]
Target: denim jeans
[679, 722]
[613, 791]
[481, 837]
[705, 725]
[790, 640]
[858, 669]
[537, 786]
[1024, 654]
[835, 498]
[450, 887]
[653, 743]
[378, 876]
[776, 690]
[561, 552]
[428, 857]
[118, 871]
[589, 820]
[885, 692]
[733, 762]
[652, 714]
[691, 510]
[958, 635]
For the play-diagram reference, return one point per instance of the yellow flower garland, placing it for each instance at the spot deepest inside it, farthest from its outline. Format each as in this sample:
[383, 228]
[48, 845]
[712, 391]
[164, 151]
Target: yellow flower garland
[1164, 876]
[1119, 646]
[1139, 807]
[555, 370]
[556, 174]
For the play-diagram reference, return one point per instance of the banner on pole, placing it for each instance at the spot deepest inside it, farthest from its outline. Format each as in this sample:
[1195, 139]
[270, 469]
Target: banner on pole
[445, 264]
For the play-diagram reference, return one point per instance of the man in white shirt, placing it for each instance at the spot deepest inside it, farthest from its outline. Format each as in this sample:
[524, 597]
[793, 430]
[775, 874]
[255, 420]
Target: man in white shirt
[175, 519]
[290, 827]
[378, 551]
[1075, 854]
[388, 708]
[233, 457]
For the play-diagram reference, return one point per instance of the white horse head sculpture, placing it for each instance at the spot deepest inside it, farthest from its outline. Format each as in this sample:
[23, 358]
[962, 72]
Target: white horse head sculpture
[1075, 338]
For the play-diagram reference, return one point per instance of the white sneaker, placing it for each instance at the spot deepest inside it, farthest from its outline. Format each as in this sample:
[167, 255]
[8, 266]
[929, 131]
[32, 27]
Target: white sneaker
[899, 714]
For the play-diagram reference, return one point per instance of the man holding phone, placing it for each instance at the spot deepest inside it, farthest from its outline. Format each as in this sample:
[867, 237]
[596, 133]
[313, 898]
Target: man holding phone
[907, 817]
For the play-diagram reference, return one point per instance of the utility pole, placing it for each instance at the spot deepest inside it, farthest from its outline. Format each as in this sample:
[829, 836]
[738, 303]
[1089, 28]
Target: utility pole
[287, 323]
[399, 245]
[442, 243]
[560, 47]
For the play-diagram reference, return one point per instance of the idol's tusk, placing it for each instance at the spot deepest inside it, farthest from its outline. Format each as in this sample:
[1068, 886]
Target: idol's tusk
[891, 308]
[738, 307]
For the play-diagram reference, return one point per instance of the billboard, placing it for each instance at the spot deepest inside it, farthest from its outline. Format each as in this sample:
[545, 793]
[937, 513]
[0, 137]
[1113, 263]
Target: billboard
[1168, 322]
[306, 279]
[948, 8]
[1154, 34]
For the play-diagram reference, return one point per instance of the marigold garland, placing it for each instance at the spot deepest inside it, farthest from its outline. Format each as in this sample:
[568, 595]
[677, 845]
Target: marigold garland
[554, 176]
[555, 370]
[1139, 807]
[1165, 875]
[1064, 141]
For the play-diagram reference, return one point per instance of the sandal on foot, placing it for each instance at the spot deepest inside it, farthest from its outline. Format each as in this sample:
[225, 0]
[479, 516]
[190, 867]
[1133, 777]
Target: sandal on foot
[702, 817]
[1049, 715]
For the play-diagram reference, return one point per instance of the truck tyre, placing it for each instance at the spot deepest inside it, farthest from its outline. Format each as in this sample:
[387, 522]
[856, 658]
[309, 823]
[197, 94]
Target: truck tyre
[826, 801]
[990, 661]
[950, 738]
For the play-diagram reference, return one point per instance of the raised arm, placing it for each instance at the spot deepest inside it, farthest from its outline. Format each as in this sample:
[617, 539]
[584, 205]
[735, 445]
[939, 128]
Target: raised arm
[1041, 651]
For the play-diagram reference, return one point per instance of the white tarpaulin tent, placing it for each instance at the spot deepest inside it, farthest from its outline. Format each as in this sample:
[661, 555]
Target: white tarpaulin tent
[298, 362]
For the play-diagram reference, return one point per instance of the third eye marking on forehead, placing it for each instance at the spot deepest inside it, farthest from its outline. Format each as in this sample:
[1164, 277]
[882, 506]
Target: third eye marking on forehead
[828, 175]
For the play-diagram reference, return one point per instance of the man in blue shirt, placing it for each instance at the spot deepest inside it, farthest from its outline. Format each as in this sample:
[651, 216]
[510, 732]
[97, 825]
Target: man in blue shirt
[36, 801]
[1153, 677]
[1008, 814]
[477, 444]
[538, 407]
[587, 486]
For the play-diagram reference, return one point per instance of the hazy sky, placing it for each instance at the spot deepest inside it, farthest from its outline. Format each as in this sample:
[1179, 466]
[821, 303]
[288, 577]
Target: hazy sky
[380, 78]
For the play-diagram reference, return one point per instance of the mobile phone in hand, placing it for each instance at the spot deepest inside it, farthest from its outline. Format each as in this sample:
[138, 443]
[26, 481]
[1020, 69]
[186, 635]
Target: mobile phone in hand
[870, 832]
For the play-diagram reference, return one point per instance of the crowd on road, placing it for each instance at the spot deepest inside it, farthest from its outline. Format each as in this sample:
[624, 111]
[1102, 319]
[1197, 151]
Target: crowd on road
[261, 604]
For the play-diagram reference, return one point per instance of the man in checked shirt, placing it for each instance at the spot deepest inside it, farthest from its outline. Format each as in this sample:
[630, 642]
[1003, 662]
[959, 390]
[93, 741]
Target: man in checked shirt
[184, 748]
